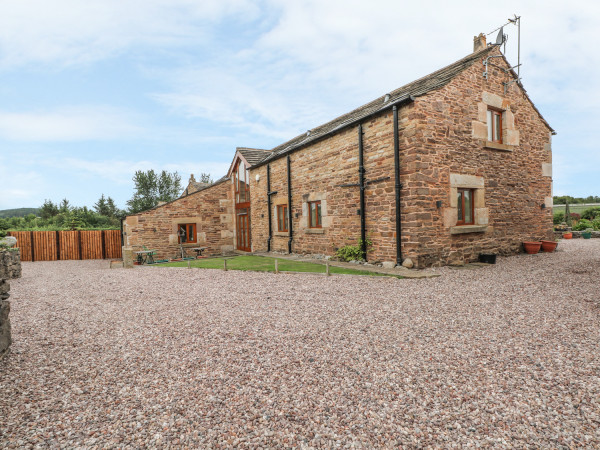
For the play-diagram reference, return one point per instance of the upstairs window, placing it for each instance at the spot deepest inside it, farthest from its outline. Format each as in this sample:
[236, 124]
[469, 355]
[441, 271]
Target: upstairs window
[314, 214]
[187, 233]
[282, 218]
[494, 125]
[241, 181]
[465, 203]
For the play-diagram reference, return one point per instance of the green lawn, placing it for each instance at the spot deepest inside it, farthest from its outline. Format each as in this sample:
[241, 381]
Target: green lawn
[267, 264]
[573, 208]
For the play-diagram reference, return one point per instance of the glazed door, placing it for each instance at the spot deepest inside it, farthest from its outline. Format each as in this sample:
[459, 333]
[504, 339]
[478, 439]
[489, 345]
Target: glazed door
[243, 229]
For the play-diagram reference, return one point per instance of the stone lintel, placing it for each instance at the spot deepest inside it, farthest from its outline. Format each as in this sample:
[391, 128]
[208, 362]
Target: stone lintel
[462, 229]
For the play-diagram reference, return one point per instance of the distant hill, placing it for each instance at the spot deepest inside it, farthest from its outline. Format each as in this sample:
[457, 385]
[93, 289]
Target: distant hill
[19, 212]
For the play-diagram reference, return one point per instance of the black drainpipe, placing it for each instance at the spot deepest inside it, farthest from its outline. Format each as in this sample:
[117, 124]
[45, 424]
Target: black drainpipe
[361, 182]
[289, 190]
[269, 207]
[398, 187]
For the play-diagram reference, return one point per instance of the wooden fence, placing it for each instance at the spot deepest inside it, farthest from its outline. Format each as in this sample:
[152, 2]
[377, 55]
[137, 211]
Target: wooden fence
[60, 245]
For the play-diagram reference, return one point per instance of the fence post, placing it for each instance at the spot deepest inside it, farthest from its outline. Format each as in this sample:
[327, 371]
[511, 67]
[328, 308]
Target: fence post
[327, 268]
[79, 239]
[32, 250]
[276, 265]
[58, 246]
[189, 265]
[225, 265]
[103, 244]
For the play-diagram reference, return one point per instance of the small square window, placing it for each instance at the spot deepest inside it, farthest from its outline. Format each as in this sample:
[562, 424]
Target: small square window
[494, 125]
[314, 214]
[465, 204]
[282, 218]
[187, 233]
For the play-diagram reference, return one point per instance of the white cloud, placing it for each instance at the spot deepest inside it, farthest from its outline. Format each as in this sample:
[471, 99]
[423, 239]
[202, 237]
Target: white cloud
[69, 32]
[68, 124]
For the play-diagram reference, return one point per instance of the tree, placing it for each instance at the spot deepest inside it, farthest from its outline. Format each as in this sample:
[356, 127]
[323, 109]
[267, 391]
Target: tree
[65, 206]
[48, 210]
[112, 209]
[205, 178]
[151, 188]
[101, 206]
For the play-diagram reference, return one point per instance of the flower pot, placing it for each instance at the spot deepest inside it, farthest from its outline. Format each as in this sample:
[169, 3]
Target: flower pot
[549, 246]
[586, 235]
[568, 235]
[532, 248]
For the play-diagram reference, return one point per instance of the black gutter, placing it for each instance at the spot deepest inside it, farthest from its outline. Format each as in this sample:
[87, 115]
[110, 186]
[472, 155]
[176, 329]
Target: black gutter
[398, 188]
[269, 207]
[361, 182]
[404, 99]
[289, 189]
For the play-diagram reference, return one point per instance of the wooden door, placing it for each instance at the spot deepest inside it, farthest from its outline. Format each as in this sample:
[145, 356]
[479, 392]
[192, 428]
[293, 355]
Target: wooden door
[243, 229]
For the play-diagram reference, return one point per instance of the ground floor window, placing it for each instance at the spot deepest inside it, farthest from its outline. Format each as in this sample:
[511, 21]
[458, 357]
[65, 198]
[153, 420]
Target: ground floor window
[282, 218]
[187, 233]
[465, 207]
[314, 214]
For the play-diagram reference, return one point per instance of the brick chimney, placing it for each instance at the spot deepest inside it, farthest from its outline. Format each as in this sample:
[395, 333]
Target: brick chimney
[479, 43]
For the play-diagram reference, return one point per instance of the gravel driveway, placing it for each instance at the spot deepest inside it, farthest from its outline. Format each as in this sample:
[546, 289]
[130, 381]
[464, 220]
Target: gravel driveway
[505, 355]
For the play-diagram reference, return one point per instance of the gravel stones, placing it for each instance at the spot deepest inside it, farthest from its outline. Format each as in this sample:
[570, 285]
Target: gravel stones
[504, 355]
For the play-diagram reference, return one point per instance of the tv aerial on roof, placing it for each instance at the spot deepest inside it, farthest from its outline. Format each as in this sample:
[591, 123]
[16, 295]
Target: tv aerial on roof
[501, 38]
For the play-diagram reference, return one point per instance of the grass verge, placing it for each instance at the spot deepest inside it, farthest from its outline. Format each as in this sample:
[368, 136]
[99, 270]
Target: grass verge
[267, 264]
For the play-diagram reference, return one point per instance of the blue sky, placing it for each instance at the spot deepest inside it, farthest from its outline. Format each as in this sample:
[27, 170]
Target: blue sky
[91, 91]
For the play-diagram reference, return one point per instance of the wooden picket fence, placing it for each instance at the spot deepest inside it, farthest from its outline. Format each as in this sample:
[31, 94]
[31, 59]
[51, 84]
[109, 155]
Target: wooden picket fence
[61, 245]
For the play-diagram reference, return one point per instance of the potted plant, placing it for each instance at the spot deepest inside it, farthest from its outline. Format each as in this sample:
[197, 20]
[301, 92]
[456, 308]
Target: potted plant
[587, 234]
[568, 235]
[549, 246]
[532, 248]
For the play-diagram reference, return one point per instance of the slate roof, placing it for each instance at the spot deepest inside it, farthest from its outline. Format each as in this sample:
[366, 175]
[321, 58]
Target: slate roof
[198, 186]
[401, 95]
[253, 155]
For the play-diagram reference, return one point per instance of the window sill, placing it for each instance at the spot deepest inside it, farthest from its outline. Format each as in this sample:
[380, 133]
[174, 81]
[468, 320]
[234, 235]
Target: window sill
[281, 233]
[497, 146]
[314, 231]
[462, 229]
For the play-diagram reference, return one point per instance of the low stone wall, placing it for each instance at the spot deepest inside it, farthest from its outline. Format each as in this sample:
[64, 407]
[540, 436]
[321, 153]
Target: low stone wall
[576, 234]
[10, 267]
[10, 264]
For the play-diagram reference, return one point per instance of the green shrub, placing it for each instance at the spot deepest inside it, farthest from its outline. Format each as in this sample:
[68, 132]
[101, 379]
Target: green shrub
[559, 218]
[352, 252]
[582, 225]
[591, 213]
[596, 224]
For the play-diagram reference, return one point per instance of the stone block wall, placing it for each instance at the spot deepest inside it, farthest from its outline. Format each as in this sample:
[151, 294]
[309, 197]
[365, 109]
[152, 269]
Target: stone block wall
[449, 150]
[443, 147]
[211, 209]
[319, 172]
[10, 267]
[10, 264]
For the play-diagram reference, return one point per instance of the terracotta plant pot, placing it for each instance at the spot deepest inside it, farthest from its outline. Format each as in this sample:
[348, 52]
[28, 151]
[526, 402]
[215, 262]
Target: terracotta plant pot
[568, 235]
[532, 248]
[549, 246]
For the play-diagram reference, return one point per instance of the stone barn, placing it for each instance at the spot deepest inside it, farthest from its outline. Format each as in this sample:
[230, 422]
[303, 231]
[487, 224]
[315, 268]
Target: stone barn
[454, 164]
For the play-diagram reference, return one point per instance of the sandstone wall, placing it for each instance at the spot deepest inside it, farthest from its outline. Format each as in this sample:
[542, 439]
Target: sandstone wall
[318, 172]
[10, 264]
[443, 147]
[211, 209]
[446, 148]
[7, 270]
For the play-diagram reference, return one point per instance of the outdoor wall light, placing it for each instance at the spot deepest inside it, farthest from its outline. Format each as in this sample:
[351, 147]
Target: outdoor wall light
[257, 178]
[438, 204]
[543, 206]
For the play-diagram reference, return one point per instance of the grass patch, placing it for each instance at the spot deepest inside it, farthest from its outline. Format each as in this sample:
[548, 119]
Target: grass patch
[573, 208]
[267, 264]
